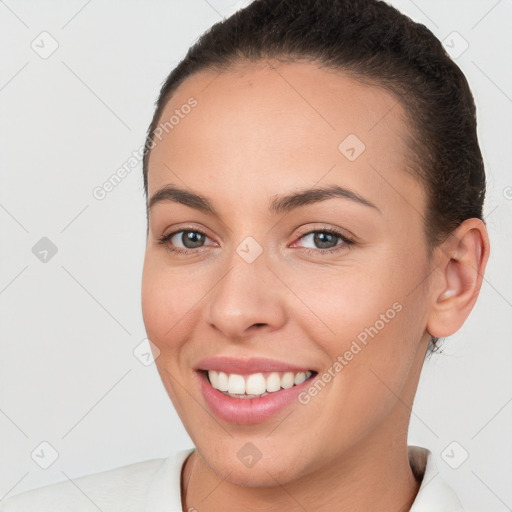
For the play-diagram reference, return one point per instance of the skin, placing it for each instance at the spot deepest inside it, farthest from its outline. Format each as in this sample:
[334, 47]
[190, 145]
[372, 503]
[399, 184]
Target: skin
[259, 131]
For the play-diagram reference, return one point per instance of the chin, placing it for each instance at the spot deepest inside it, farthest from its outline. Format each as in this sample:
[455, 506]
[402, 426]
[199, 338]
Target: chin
[266, 473]
[244, 467]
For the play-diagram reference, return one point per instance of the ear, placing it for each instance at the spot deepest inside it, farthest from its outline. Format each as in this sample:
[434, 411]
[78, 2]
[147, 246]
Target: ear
[461, 261]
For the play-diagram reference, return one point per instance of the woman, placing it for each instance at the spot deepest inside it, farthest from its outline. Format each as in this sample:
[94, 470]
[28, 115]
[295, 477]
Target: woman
[315, 190]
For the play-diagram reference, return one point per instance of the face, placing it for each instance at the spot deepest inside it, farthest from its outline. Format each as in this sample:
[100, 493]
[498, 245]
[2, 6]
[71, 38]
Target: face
[258, 284]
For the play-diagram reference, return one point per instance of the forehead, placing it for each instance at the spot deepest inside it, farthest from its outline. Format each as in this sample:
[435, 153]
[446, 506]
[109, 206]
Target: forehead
[283, 125]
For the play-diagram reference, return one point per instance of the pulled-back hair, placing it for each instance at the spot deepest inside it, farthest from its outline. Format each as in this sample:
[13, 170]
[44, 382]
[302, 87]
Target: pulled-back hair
[374, 43]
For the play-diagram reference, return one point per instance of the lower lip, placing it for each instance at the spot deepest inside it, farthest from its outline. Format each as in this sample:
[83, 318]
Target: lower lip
[247, 411]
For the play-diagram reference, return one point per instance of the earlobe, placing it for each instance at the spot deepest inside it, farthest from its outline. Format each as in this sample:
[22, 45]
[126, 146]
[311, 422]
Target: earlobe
[462, 263]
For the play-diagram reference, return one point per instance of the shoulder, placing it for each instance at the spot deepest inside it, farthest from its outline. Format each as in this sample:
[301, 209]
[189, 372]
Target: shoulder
[124, 488]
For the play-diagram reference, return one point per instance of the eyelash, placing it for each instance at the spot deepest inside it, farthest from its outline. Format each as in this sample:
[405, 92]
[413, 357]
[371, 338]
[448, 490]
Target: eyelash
[347, 242]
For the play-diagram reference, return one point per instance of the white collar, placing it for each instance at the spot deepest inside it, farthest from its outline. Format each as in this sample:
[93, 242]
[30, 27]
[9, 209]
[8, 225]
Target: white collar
[434, 494]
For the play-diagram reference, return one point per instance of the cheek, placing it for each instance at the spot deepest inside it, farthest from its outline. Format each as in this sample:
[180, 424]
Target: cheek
[370, 357]
[169, 299]
[368, 322]
[347, 303]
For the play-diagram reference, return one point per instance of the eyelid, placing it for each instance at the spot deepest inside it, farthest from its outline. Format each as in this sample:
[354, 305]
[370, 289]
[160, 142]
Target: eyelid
[187, 227]
[326, 228]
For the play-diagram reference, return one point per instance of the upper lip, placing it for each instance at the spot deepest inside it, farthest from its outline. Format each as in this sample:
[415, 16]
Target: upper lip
[245, 366]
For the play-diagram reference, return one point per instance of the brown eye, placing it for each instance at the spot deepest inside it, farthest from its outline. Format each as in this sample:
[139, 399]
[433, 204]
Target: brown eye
[323, 242]
[324, 239]
[189, 239]
[184, 241]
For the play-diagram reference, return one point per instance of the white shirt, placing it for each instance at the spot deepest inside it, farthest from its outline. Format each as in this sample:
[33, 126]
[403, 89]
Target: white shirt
[154, 486]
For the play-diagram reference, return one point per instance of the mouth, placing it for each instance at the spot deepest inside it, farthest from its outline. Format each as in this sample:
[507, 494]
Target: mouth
[255, 385]
[251, 391]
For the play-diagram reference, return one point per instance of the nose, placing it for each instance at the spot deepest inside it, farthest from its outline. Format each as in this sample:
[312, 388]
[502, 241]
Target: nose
[246, 300]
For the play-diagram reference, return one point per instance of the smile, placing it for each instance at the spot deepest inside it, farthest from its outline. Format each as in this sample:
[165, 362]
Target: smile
[249, 391]
[256, 384]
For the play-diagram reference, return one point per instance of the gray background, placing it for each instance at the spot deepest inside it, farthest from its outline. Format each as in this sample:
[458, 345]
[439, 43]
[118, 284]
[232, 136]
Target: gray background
[69, 325]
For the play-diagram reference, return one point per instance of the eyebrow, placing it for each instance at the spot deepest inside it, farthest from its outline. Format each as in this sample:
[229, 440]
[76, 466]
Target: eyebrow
[278, 205]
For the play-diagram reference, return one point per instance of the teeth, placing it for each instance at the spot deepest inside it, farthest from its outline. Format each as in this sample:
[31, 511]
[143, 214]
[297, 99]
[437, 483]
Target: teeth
[255, 384]
[273, 382]
[222, 382]
[236, 384]
[214, 378]
[287, 380]
[300, 378]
